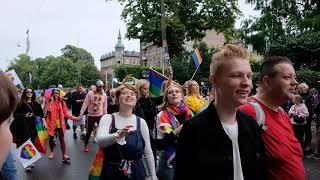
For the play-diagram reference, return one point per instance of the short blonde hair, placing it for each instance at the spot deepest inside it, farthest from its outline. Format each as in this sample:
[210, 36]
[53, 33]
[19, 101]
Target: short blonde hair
[228, 52]
[188, 92]
[303, 85]
[141, 83]
[126, 86]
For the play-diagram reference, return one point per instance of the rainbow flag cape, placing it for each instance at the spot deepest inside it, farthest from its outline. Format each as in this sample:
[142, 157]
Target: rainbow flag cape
[42, 138]
[167, 124]
[197, 57]
[156, 79]
[96, 167]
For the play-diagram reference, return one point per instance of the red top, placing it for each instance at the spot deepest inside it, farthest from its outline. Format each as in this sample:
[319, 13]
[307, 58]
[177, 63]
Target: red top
[283, 151]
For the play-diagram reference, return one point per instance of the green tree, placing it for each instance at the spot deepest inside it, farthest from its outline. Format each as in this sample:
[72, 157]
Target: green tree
[122, 71]
[23, 65]
[65, 70]
[77, 54]
[278, 19]
[303, 50]
[89, 74]
[184, 20]
[60, 70]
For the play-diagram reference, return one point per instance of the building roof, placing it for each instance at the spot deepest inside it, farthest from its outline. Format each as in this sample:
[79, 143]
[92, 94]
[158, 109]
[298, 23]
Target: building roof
[119, 46]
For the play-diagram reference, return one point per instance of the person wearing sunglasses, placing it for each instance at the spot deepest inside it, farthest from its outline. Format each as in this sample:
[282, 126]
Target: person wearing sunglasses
[56, 111]
[24, 126]
[8, 103]
[96, 102]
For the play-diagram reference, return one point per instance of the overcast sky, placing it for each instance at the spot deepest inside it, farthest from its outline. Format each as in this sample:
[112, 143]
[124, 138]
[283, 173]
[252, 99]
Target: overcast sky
[89, 24]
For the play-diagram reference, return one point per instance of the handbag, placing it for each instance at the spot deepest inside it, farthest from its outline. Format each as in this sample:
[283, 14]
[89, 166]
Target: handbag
[298, 119]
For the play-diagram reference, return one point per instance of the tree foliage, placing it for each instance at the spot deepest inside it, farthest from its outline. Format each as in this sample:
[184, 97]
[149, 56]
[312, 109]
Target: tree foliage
[23, 65]
[280, 18]
[77, 54]
[183, 19]
[302, 50]
[308, 76]
[139, 72]
[50, 70]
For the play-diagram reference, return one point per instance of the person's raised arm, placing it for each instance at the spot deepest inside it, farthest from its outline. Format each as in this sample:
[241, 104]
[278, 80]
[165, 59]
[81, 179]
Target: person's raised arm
[170, 71]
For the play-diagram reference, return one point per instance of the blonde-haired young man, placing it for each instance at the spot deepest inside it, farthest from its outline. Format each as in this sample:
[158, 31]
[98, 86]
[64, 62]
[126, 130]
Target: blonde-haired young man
[221, 142]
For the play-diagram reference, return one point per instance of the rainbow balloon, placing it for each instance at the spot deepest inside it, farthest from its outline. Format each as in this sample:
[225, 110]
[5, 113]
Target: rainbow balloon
[27, 152]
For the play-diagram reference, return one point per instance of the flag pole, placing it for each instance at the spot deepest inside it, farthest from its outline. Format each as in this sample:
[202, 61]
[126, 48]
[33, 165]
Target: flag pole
[194, 73]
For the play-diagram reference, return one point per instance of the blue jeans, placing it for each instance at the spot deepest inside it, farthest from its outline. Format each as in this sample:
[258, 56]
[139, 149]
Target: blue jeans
[9, 170]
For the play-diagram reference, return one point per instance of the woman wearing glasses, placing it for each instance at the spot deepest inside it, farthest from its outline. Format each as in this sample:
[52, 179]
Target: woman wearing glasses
[124, 138]
[56, 111]
[24, 127]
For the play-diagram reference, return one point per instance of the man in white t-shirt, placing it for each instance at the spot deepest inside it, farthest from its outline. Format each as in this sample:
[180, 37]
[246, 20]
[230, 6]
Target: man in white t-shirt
[221, 142]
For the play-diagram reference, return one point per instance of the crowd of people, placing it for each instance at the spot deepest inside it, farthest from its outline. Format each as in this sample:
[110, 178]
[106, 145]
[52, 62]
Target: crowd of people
[227, 133]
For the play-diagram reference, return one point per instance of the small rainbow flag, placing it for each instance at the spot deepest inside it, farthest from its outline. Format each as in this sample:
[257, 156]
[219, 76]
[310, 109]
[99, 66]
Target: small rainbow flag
[156, 79]
[96, 167]
[42, 138]
[197, 57]
[27, 152]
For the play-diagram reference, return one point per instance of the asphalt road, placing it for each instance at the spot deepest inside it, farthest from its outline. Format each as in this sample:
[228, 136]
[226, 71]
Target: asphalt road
[78, 169]
[46, 169]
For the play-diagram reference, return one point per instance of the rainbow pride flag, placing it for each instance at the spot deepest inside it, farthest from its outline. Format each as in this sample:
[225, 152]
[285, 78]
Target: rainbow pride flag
[156, 79]
[42, 138]
[27, 153]
[96, 167]
[197, 57]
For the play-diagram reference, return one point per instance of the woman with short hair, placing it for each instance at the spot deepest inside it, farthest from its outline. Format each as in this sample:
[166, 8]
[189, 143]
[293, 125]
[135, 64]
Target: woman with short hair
[124, 138]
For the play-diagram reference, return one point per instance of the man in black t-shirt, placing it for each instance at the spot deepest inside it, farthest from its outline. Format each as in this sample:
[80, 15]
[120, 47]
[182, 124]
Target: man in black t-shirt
[77, 99]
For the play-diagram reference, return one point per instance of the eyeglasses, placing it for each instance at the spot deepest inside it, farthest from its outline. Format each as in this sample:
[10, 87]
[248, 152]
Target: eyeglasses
[30, 92]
